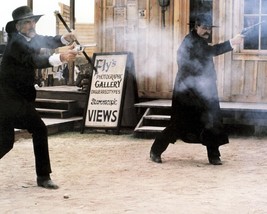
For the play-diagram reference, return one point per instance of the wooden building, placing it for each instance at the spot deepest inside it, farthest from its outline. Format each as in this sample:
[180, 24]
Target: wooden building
[137, 26]
[153, 34]
[85, 31]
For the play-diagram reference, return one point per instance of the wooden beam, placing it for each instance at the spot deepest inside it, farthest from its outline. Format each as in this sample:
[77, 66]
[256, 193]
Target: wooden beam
[30, 3]
[72, 14]
[72, 26]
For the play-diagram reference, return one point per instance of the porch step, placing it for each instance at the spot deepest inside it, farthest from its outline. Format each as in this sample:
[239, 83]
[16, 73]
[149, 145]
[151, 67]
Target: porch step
[157, 116]
[55, 108]
[53, 113]
[61, 109]
[153, 121]
[149, 129]
[54, 125]
[54, 103]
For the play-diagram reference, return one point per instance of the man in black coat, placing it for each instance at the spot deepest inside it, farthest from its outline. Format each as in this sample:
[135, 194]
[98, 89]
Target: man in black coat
[195, 114]
[17, 92]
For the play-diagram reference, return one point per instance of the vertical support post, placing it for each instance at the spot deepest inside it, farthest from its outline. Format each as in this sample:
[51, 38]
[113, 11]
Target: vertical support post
[30, 3]
[71, 65]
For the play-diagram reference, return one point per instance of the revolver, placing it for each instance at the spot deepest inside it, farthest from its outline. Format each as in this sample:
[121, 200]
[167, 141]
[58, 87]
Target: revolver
[246, 30]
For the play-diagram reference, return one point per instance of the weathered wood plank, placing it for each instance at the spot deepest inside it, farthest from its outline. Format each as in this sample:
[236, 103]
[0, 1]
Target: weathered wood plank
[161, 103]
[241, 76]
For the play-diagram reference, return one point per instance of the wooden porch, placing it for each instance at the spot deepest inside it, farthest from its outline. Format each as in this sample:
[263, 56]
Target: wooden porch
[61, 108]
[156, 116]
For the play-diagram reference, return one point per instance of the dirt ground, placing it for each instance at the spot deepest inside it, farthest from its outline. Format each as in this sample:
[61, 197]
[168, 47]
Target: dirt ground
[112, 174]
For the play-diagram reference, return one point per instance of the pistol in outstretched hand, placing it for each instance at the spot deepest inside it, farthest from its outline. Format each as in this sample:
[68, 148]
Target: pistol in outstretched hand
[246, 30]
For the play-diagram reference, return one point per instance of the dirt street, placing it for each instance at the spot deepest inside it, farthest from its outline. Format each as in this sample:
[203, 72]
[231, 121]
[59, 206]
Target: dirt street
[112, 174]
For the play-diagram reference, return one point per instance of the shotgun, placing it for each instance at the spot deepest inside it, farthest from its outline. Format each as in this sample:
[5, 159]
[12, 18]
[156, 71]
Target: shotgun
[76, 41]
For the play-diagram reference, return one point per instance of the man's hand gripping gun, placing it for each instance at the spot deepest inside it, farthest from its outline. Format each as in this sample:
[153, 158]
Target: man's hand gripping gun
[78, 47]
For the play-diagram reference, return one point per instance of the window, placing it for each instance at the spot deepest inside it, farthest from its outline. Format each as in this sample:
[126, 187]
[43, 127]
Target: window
[255, 11]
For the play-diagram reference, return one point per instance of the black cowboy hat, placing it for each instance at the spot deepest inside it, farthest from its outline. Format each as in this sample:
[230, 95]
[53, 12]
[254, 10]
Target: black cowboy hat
[204, 19]
[23, 12]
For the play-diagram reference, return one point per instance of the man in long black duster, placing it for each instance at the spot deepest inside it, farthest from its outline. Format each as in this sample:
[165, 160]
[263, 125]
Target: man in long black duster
[17, 92]
[195, 116]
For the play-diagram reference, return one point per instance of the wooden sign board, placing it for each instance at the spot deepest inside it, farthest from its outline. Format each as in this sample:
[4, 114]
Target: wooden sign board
[107, 91]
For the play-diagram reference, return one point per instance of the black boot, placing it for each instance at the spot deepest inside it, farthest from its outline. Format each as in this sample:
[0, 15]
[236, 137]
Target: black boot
[154, 157]
[46, 182]
[214, 155]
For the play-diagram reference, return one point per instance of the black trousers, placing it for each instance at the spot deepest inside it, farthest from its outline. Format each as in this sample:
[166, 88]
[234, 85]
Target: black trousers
[170, 134]
[27, 118]
[163, 139]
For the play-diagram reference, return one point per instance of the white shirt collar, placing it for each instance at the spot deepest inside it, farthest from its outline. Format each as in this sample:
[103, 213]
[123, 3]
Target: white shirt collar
[27, 38]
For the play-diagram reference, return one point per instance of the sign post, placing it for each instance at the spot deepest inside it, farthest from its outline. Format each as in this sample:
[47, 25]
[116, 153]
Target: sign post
[105, 98]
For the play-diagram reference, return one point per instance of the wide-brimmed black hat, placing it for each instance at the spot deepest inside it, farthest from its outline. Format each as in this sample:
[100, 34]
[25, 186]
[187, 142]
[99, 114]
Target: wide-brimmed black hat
[23, 12]
[204, 19]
